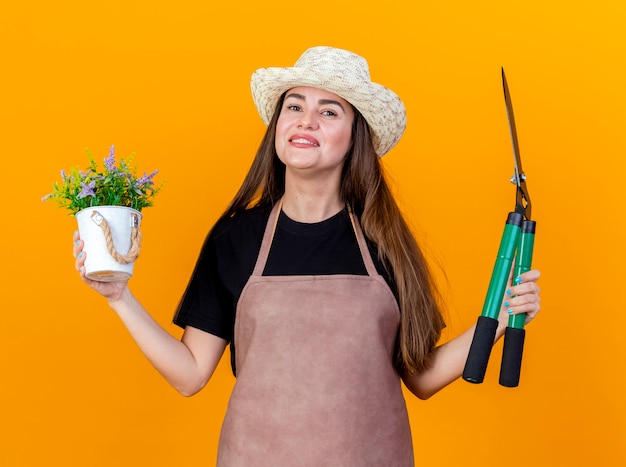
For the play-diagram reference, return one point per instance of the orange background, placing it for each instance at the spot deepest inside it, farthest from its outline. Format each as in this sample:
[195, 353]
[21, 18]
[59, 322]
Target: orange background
[170, 81]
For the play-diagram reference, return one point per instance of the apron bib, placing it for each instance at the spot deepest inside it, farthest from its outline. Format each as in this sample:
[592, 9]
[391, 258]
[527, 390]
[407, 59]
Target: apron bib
[316, 385]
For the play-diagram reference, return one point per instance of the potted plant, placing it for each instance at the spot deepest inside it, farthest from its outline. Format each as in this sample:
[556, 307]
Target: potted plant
[107, 204]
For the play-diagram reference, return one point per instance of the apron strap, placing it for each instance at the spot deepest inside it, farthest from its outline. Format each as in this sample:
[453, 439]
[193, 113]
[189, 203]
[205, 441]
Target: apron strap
[267, 239]
[365, 251]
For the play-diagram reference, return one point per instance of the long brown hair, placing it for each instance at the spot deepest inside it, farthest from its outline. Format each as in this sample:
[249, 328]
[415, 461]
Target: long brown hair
[365, 190]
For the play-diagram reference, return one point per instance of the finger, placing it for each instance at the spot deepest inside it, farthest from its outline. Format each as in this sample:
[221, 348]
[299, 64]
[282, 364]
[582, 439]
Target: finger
[82, 271]
[77, 244]
[524, 296]
[528, 304]
[521, 299]
[524, 306]
[529, 276]
[525, 288]
[80, 260]
[77, 248]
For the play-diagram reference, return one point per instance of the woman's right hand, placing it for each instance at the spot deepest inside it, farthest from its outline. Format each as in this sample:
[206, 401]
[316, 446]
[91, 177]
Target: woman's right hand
[112, 291]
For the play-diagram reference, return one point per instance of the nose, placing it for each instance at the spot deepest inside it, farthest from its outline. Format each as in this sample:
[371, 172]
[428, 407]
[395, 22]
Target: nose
[307, 120]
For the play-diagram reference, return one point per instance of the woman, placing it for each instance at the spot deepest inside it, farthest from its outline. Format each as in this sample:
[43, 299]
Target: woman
[315, 280]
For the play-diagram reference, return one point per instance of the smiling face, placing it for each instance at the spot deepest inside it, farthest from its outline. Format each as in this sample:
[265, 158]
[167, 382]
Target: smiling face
[314, 132]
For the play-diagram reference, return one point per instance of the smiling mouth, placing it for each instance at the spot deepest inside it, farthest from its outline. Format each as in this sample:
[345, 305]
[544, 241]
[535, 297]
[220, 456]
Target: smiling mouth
[303, 141]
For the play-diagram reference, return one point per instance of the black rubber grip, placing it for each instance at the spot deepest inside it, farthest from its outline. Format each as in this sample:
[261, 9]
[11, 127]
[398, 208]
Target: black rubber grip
[512, 357]
[480, 350]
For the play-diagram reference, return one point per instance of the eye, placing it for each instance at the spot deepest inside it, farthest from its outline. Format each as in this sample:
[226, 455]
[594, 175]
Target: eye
[329, 113]
[294, 107]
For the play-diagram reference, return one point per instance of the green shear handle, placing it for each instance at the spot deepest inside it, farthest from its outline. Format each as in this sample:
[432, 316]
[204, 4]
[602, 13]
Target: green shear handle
[487, 325]
[516, 245]
[515, 334]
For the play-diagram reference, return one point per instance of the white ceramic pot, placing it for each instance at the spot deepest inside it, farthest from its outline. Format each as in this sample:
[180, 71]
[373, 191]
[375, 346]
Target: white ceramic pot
[110, 235]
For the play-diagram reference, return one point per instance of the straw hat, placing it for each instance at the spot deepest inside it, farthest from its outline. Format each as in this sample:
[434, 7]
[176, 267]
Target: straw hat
[340, 72]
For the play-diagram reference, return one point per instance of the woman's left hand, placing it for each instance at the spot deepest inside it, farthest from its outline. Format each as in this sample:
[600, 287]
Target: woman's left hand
[522, 296]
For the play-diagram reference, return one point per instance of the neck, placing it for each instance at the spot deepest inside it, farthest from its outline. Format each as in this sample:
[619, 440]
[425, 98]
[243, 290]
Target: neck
[311, 203]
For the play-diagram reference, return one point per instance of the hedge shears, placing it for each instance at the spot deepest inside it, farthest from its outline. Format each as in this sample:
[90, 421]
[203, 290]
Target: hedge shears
[515, 251]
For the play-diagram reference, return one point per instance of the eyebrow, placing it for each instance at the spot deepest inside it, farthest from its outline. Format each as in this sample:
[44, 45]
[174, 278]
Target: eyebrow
[321, 101]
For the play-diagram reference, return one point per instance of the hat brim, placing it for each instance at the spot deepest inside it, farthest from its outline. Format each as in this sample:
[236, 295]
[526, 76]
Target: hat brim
[382, 108]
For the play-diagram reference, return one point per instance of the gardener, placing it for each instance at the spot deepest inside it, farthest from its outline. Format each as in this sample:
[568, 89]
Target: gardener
[315, 280]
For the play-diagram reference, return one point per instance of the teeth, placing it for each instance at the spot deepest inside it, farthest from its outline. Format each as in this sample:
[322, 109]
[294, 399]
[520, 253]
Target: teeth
[302, 141]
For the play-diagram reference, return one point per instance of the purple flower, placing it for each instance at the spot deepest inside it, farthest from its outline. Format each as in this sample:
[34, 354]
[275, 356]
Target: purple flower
[63, 176]
[109, 162]
[87, 190]
[145, 179]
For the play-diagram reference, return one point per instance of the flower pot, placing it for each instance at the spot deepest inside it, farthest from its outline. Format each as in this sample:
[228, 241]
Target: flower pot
[111, 239]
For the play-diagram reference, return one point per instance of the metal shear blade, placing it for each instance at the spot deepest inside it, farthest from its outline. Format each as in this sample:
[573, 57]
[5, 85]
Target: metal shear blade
[522, 198]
